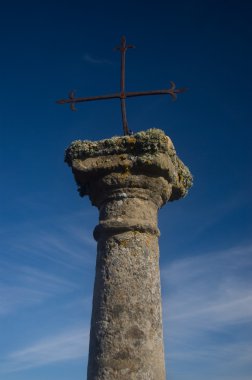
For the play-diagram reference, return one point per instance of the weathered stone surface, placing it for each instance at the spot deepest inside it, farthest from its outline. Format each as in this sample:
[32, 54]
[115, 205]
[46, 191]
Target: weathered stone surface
[150, 152]
[128, 178]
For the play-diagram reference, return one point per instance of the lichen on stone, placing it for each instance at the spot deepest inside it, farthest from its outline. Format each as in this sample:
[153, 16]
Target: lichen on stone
[149, 141]
[148, 152]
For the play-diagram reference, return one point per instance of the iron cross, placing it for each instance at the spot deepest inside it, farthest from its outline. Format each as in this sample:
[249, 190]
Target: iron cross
[122, 95]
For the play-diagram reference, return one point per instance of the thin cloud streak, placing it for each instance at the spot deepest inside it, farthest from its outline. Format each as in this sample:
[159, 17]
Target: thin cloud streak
[69, 246]
[221, 209]
[96, 61]
[64, 346]
[31, 287]
[219, 361]
[209, 297]
[209, 291]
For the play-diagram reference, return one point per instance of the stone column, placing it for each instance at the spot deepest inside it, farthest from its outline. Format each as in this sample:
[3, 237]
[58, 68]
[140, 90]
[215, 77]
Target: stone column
[128, 178]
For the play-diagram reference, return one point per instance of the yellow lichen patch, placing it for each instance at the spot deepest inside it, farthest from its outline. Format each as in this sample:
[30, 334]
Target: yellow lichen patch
[123, 157]
[148, 242]
[131, 140]
[123, 243]
[136, 234]
[126, 171]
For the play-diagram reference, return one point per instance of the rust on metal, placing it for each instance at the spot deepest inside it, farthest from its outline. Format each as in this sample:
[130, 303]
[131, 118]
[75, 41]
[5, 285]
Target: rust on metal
[122, 95]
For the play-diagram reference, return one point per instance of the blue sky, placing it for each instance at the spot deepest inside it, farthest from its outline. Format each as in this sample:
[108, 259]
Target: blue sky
[47, 251]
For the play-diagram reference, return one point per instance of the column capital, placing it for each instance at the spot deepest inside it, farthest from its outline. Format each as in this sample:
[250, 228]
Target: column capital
[145, 160]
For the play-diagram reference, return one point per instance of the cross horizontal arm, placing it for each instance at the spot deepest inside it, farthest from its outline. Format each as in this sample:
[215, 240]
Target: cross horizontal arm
[88, 99]
[171, 92]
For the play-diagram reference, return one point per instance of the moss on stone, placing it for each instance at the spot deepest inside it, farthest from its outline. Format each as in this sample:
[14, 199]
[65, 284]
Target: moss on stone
[150, 141]
[142, 151]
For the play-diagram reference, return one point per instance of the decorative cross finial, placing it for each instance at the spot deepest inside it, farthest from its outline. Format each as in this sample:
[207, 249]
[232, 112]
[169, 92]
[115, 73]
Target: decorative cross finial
[172, 91]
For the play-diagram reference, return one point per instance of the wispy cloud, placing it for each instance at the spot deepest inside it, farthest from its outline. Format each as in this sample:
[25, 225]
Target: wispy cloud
[68, 345]
[60, 241]
[43, 260]
[208, 310]
[96, 61]
[215, 286]
[217, 212]
[24, 286]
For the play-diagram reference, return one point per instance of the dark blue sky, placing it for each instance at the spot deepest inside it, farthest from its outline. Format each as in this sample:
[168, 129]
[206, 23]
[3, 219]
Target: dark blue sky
[47, 253]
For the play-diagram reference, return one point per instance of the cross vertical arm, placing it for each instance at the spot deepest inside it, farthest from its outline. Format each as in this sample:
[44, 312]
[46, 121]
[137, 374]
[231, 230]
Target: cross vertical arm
[123, 98]
[123, 48]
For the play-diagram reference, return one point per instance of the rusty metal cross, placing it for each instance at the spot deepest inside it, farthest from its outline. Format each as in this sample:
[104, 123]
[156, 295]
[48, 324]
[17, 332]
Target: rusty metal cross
[172, 91]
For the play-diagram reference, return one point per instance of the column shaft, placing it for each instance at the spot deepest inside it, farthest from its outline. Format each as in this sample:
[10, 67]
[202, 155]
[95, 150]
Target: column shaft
[126, 340]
